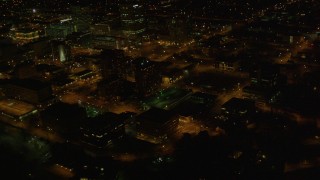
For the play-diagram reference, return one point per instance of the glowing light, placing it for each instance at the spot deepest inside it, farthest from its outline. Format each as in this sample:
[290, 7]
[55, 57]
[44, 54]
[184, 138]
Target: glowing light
[62, 53]
[65, 20]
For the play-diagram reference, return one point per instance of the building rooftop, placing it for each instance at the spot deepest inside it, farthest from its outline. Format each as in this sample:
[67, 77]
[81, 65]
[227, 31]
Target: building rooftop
[189, 108]
[48, 68]
[196, 104]
[156, 115]
[15, 108]
[102, 122]
[168, 98]
[30, 84]
[64, 111]
[61, 81]
[236, 104]
[204, 97]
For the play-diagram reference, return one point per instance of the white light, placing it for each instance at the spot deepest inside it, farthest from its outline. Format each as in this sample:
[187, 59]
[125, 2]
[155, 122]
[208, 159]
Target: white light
[64, 20]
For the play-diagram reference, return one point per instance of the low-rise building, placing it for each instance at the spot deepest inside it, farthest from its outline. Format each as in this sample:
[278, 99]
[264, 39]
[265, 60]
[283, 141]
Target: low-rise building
[195, 106]
[17, 110]
[103, 129]
[29, 90]
[156, 125]
[238, 107]
[260, 94]
[227, 64]
[63, 118]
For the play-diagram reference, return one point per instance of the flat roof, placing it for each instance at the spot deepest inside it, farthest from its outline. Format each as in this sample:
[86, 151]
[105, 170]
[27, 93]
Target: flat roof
[189, 108]
[15, 107]
[156, 115]
[205, 96]
[168, 98]
[46, 67]
[61, 81]
[102, 122]
[238, 104]
[30, 84]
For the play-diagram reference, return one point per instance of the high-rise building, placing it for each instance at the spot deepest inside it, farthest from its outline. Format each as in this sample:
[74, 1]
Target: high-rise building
[81, 18]
[61, 29]
[132, 18]
[179, 28]
[147, 76]
[111, 63]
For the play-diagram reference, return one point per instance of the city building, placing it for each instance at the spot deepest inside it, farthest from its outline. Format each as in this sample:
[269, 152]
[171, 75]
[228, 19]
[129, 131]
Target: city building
[81, 18]
[156, 125]
[48, 72]
[25, 70]
[108, 34]
[195, 106]
[132, 20]
[39, 49]
[80, 40]
[178, 27]
[109, 41]
[238, 114]
[101, 130]
[61, 29]
[168, 98]
[227, 64]
[170, 76]
[238, 107]
[260, 94]
[63, 118]
[267, 75]
[147, 76]
[59, 83]
[29, 90]
[12, 109]
[116, 89]
[112, 63]
[101, 29]
[26, 35]
[7, 52]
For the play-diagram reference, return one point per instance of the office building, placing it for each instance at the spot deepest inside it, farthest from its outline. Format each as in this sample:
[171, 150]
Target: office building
[112, 63]
[11, 109]
[133, 20]
[81, 18]
[101, 130]
[238, 107]
[29, 90]
[147, 76]
[156, 125]
[63, 118]
[26, 35]
[60, 30]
